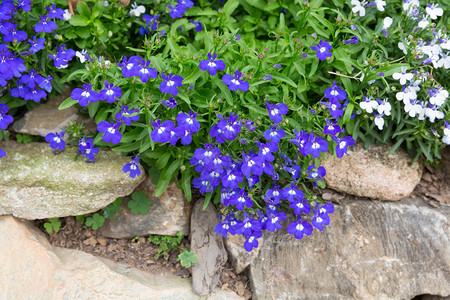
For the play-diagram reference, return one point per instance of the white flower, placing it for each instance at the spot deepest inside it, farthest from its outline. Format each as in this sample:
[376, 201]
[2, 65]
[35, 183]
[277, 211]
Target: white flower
[444, 61]
[409, 4]
[432, 113]
[81, 55]
[434, 11]
[379, 121]
[67, 15]
[446, 139]
[406, 95]
[414, 108]
[359, 7]
[368, 104]
[137, 10]
[424, 22]
[387, 22]
[384, 108]
[403, 76]
[380, 4]
[438, 99]
[402, 46]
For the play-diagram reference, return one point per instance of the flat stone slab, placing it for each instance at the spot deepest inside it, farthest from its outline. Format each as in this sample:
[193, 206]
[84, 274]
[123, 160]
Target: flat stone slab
[30, 268]
[371, 173]
[385, 250]
[169, 214]
[36, 184]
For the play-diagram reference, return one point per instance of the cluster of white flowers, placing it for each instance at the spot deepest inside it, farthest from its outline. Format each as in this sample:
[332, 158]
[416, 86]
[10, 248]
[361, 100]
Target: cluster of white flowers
[359, 7]
[136, 10]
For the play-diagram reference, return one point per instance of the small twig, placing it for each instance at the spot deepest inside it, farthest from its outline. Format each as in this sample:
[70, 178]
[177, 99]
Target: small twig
[338, 74]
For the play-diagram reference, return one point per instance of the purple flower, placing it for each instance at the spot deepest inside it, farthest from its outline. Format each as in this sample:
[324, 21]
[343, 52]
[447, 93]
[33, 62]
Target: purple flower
[252, 164]
[299, 228]
[170, 84]
[85, 95]
[198, 26]
[45, 25]
[125, 115]
[342, 144]
[24, 5]
[176, 11]
[162, 132]
[234, 83]
[277, 66]
[292, 193]
[56, 140]
[266, 150]
[54, 12]
[111, 93]
[300, 206]
[315, 146]
[31, 79]
[35, 94]
[129, 66]
[332, 127]
[111, 131]
[5, 119]
[224, 227]
[145, 72]
[186, 3]
[273, 221]
[249, 226]
[352, 40]
[252, 241]
[132, 167]
[274, 134]
[276, 111]
[2, 153]
[275, 194]
[45, 83]
[203, 185]
[316, 174]
[87, 148]
[13, 34]
[231, 179]
[227, 128]
[321, 217]
[171, 103]
[20, 90]
[188, 122]
[322, 50]
[242, 200]
[335, 93]
[212, 65]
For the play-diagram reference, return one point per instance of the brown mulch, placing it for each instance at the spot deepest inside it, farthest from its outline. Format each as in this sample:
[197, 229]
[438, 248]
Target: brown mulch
[139, 254]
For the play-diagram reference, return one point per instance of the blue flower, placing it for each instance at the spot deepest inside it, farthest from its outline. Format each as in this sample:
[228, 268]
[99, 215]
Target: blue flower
[231, 179]
[35, 94]
[170, 84]
[316, 174]
[111, 93]
[252, 164]
[31, 79]
[45, 83]
[111, 131]
[352, 40]
[125, 115]
[321, 217]
[171, 103]
[315, 146]
[300, 206]
[273, 134]
[241, 200]
[335, 93]
[13, 34]
[176, 11]
[292, 193]
[224, 227]
[252, 241]
[54, 12]
[188, 122]
[87, 148]
[129, 66]
[276, 111]
[227, 128]
[144, 72]
[235, 83]
[203, 185]
[45, 25]
[132, 167]
[332, 127]
[198, 26]
[5, 119]
[2, 153]
[342, 144]
[186, 3]
[273, 222]
[207, 155]
[20, 90]
[23, 4]
[277, 66]
[299, 228]
[162, 132]
[275, 194]
[56, 140]
[212, 65]
[85, 95]
[322, 49]
[249, 226]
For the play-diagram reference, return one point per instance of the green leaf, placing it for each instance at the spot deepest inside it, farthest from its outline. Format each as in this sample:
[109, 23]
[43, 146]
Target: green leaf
[112, 209]
[230, 6]
[283, 78]
[186, 183]
[96, 221]
[187, 258]
[207, 200]
[79, 20]
[83, 32]
[67, 103]
[83, 9]
[162, 161]
[97, 10]
[165, 177]
[52, 225]
[139, 203]
[92, 108]
[348, 112]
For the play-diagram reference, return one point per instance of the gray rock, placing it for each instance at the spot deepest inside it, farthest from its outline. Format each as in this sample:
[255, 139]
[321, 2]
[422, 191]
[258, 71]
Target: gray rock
[385, 250]
[371, 173]
[47, 118]
[237, 255]
[36, 184]
[169, 214]
[30, 268]
[208, 247]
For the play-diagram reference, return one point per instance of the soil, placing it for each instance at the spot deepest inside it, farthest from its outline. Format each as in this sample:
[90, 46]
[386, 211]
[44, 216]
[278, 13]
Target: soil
[434, 189]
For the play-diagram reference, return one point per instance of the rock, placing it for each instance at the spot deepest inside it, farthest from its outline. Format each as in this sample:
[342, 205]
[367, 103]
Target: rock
[36, 184]
[208, 247]
[169, 214]
[47, 118]
[384, 250]
[30, 268]
[370, 173]
[238, 256]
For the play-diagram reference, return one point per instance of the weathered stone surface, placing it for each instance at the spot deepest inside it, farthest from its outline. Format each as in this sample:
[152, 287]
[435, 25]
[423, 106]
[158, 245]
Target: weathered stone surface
[208, 247]
[47, 118]
[169, 214]
[370, 173]
[237, 255]
[385, 250]
[36, 184]
[30, 268]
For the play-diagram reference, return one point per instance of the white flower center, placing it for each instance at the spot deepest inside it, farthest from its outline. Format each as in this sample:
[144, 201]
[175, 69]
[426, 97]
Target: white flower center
[111, 130]
[231, 177]
[299, 227]
[315, 145]
[211, 64]
[57, 139]
[274, 112]
[322, 49]
[170, 82]
[85, 94]
[161, 130]
[235, 82]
